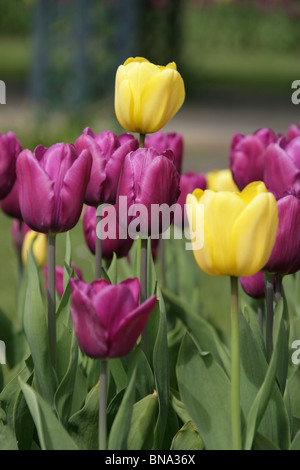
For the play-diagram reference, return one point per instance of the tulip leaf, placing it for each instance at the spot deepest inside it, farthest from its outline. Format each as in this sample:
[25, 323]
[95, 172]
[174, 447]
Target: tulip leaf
[187, 438]
[295, 445]
[253, 369]
[52, 435]
[151, 272]
[179, 407]
[143, 420]
[113, 270]
[120, 428]
[263, 396]
[23, 422]
[36, 332]
[261, 442]
[206, 393]
[202, 331]
[83, 425]
[67, 263]
[117, 370]
[64, 328]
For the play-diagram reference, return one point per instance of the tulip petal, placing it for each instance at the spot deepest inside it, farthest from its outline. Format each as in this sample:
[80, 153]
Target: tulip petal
[280, 171]
[131, 327]
[254, 234]
[36, 195]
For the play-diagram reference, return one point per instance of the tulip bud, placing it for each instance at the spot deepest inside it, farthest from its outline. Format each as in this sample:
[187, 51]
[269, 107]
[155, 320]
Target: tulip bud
[52, 185]
[147, 181]
[285, 256]
[162, 141]
[10, 204]
[221, 180]
[59, 277]
[108, 152]
[254, 285]
[247, 156]
[188, 183]
[239, 229]
[10, 148]
[108, 318]
[147, 96]
[120, 243]
[38, 242]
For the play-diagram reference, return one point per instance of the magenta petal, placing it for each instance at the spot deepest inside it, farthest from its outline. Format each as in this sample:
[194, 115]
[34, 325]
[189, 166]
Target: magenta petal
[73, 191]
[130, 328]
[280, 171]
[36, 194]
[10, 205]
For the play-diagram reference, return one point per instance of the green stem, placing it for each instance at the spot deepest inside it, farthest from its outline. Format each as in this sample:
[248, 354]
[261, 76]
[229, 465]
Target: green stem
[19, 255]
[269, 282]
[103, 405]
[279, 289]
[260, 316]
[143, 294]
[142, 140]
[51, 298]
[98, 250]
[162, 260]
[235, 367]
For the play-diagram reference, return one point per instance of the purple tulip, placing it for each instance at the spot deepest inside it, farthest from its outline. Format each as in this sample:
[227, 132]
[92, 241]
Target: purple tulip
[119, 245]
[285, 256]
[282, 169]
[10, 204]
[59, 277]
[148, 180]
[188, 182]
[247, 156]
[293, 131]
[254, 286]
[10, 148]
[52, 185]
[107, 318]
[108, 152]
[162, 141]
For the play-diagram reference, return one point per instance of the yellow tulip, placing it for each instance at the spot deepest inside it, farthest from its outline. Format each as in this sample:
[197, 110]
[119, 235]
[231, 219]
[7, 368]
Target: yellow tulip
[147, 96]
[39, 249]
[239, 229]
[221, 180]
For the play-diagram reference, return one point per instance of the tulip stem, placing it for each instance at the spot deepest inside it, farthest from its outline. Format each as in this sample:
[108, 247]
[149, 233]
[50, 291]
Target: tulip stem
[235, 367]
[19, 254]
[260, 316]
[51, 298]
[279, 289]
[162, 259]
[143, 294]
[142, 140]
[269, 280]
[103, 405]
[98, 249]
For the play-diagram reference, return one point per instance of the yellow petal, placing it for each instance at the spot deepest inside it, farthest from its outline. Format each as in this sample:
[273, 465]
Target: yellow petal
[39, 243]
[221, 180]
[252, 190]
[254, 234]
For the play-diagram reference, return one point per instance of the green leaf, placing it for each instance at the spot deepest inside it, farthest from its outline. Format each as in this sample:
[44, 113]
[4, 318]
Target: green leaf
[295, 445]
[202, 331]
[35, 328]
[179, 407]
[23, 422]
[263, 396]
[117, 370]
[67, 263]
[120, 429]
[187, 438]
[263, 443]
[143, 422]
[52, 435]
[253, 369]
[113, 270]
[206, 393]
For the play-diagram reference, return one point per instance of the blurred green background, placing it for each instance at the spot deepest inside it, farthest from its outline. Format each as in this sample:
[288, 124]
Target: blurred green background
[59, 57]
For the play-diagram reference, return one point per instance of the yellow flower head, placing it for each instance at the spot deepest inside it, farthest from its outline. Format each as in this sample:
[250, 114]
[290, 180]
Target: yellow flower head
[221, 180]
[147, 96]
[39, 244]
[239, 229]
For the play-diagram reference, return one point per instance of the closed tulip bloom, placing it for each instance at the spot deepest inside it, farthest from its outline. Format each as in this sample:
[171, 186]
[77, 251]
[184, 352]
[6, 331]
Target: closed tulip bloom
[282, 170]
[52, 185]
[108, 152]
[59, 277]
[293, 131]
[107, 318]
[147, 96]
[10, 148]
[10, 204]
[220, 180]
[247, 156]
[162, 141]
[254, 285]
[120, 245]
[239, 229]
[188, 183]
[148, 179]
[39, 244]
[285, 256]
